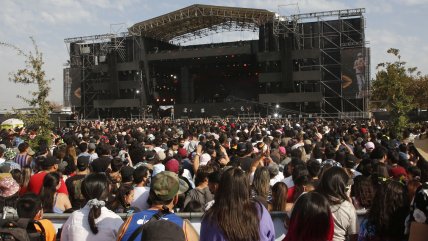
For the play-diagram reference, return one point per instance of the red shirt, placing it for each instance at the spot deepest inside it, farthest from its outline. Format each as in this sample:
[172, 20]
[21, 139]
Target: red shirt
[290, 194]
[36, 183]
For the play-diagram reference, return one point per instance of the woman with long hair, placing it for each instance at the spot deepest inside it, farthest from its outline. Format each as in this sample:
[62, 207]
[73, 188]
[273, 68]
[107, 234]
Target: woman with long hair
[94, 221]
[22, 177]
[234, 216]
[260, 189]
[53, 201]
[71, 159]
[334, 185]
[386, 217]
[279, 197]
[311, 219]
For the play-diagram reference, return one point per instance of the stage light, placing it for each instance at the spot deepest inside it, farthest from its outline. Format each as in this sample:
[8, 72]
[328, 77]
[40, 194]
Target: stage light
[172, 99]
[164, 100]
[277, 106]
[275, 115]
[157, 100]
[137, 91]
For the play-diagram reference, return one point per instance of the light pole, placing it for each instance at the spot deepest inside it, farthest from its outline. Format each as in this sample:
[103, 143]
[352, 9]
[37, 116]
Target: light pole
[137, 92]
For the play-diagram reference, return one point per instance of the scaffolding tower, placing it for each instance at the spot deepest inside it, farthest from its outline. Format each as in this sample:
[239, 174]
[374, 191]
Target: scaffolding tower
[331, 32]
[87, 53]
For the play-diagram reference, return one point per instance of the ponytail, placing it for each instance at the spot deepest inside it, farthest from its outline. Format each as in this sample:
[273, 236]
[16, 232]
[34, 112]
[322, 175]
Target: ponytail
[95, 190]
[94, 213]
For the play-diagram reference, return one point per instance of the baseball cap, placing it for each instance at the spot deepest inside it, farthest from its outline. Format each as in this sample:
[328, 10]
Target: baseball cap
[172, 166]
[204, 159]
[92, 146]
[82, 162]
[242, 147]
[165, 185]
[158, 168]
[182, 152]
[369, 145]
[398, 172]
[161, 155]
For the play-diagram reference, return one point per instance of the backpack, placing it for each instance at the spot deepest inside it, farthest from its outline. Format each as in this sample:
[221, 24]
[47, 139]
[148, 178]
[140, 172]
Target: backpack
[170, 230]
[21, 230]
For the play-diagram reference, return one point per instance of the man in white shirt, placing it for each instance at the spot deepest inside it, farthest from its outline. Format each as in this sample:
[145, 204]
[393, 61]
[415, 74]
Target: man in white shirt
[141, 190]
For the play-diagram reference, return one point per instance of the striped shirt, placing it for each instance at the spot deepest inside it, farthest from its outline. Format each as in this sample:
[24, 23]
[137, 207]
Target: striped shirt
[22, 159]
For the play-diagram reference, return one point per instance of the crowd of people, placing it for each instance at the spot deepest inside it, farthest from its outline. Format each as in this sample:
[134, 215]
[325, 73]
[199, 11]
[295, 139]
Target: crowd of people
[320, 172]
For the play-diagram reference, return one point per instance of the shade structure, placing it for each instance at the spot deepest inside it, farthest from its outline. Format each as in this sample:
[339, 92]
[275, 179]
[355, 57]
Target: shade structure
[12, 123]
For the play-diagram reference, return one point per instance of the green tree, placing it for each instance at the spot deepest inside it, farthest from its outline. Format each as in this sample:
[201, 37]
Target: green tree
[391, 90]
[34, 75]
[419, 90]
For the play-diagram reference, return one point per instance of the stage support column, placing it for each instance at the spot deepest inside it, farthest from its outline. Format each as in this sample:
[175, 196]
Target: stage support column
[144, 72]
[186, 91]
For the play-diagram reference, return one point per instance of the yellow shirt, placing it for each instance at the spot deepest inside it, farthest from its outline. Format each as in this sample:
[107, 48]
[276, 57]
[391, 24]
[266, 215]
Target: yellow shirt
[50, 231]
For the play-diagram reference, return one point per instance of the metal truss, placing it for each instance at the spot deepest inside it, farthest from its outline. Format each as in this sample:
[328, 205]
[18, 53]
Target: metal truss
[330, 39]
[96, 47]
[197, 20]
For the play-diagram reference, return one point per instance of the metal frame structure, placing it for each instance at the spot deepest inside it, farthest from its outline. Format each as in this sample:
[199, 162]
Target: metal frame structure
[92, 49]
[197, 21]
[168, 31]
[330, 40]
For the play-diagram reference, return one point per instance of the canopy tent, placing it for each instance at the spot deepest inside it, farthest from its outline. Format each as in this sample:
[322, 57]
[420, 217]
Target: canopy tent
[12, 123]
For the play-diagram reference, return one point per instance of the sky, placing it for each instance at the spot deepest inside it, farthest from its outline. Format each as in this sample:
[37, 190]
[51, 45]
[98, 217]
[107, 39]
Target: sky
[389, 24]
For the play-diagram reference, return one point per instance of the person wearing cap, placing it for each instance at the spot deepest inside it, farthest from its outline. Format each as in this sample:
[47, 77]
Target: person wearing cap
[244, 156]
[164, 191]
[74, 183]
[369, 146]
[48, 164]
[9, 189]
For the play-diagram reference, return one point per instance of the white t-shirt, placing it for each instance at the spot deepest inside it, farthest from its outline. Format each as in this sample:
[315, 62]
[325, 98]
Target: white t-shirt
[141, 194]
[288, 181]
[345, 220]
[276, 179]
[76, 228]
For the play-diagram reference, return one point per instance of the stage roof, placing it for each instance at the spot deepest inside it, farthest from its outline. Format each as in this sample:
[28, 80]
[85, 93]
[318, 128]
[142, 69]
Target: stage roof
[196, 20]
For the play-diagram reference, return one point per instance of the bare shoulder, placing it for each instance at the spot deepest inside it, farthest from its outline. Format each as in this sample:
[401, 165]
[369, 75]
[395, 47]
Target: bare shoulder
[62, 196]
